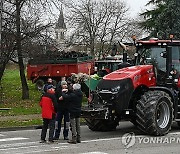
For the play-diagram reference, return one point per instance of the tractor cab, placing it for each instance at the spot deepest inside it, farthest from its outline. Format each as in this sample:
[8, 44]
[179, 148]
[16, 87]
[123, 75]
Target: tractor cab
[164, 55]
[108, 65]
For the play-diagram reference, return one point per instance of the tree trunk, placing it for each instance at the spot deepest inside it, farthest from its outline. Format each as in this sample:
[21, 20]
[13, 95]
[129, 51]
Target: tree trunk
[2, 68]
[25, 89]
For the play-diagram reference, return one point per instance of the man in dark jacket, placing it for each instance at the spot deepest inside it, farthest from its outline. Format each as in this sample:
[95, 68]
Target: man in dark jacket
[48, 104]
[63, 112]
[49, 82]
[75, 102]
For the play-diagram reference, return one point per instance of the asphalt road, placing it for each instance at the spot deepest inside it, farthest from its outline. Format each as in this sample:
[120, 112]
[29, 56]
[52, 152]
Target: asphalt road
[126, 139]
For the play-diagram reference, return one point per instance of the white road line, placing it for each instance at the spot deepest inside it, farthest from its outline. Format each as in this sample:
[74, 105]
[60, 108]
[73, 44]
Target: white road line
[13, 139]
[96, 152]
[98, 140]
[175, 133]
[26, 144]
[2, 135]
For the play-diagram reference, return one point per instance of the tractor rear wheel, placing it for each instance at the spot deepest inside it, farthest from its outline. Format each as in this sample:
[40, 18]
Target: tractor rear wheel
[154, 113]
[101, 125]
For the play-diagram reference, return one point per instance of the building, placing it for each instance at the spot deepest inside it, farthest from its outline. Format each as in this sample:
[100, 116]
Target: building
[60, 31]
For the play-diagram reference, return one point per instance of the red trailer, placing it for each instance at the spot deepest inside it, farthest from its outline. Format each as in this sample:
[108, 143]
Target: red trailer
[39, 70]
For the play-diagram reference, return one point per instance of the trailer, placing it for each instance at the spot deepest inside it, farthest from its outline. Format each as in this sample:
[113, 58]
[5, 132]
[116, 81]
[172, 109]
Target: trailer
[39, 69]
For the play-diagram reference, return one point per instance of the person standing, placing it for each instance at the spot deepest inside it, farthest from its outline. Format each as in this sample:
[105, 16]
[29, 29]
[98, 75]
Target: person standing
[75, 99]
[49, 82]
[63, 112]
[48, 105]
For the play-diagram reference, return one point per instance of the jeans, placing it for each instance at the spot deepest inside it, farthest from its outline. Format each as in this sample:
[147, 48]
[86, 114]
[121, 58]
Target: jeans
[60, 115]
[51, 124]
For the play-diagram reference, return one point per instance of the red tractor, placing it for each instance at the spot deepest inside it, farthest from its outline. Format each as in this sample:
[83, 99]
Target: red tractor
[147, 93]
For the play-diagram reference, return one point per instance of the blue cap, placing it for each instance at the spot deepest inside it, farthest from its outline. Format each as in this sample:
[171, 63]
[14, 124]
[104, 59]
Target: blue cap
[50, 86]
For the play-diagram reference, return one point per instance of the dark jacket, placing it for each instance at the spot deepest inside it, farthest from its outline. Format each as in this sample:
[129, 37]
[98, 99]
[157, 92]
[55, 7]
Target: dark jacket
[48, 104]
[62, 104]
[75, 102]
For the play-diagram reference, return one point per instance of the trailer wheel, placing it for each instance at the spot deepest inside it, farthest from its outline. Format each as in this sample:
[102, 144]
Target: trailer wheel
[39, 84]
[154, 113]
[101, 125]
[54, 82]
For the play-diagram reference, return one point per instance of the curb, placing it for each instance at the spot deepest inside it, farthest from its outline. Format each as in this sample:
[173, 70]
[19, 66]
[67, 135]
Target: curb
[28, 127]
[20, 128]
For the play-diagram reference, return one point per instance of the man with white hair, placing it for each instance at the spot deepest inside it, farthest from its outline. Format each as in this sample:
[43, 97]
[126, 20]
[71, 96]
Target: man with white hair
[75, 103]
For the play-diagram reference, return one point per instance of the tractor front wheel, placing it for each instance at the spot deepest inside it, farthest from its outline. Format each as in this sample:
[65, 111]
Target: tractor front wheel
[101, 125]
[154, 113]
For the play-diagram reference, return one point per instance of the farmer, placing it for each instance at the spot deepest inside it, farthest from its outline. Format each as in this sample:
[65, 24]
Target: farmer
[63, 112]
[48, 104]
[75, 102]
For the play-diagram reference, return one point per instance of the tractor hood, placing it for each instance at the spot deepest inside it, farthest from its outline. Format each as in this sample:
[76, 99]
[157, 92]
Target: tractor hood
[142, 74]
[117, 87]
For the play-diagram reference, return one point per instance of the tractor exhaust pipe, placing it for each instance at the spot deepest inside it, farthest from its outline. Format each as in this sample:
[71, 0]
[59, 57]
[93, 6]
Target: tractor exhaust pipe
[124, 51]
[169, 61]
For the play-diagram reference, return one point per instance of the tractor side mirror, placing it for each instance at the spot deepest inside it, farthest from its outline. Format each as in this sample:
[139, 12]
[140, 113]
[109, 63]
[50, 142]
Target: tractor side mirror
[163, 54]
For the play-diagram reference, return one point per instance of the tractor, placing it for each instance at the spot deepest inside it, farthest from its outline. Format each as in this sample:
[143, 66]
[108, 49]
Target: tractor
[147, 93]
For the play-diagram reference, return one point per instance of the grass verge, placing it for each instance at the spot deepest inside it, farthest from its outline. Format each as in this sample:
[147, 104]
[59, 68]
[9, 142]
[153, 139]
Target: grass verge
[11, 98]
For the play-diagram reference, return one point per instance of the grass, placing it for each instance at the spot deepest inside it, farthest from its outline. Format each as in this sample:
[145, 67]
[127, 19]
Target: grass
[11, 95]
[11, 98]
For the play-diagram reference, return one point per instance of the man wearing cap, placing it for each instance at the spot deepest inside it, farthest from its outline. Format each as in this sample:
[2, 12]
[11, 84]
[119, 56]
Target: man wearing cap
[75, 102]
[63, 112]
[48, 105]
[49, 82]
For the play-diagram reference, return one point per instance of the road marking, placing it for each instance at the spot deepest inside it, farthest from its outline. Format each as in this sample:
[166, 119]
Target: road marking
[94, 152]
[98, 140]
[175, 133]
[13, 139]
[2, 135]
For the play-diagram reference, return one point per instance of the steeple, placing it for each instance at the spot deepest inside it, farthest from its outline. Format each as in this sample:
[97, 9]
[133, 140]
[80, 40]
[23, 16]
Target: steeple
[60, 30]
[60, 24]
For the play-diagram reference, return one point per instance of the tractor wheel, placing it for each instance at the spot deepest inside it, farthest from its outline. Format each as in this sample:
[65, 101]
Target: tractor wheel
[154, 113]
[39, 84]
[101, 125]
[178, 123]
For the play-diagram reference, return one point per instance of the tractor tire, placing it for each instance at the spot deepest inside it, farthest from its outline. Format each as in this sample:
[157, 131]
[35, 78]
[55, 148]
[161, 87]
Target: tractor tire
[101, 125]
[39, 84]
[154, 113]
[178, 123]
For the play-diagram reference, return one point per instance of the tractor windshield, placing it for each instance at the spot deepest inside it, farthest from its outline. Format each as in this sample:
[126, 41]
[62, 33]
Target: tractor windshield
[152, 55]
[176, 58]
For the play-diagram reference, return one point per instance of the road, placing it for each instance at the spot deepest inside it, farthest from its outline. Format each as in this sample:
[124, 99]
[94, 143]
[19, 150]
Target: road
[114, 142]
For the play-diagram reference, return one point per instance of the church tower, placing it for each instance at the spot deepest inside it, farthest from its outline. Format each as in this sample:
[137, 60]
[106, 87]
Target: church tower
[60, 30]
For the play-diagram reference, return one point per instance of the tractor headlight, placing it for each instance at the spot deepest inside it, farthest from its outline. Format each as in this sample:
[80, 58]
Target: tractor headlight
[115, 89]
[176, 80]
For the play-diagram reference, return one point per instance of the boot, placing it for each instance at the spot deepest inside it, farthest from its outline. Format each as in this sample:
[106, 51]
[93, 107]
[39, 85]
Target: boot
[78, 139]
[73, 141]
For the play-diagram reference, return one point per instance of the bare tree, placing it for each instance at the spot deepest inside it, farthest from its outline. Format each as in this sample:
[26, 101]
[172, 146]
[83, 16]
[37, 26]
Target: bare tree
[28, 21]
[96, 22]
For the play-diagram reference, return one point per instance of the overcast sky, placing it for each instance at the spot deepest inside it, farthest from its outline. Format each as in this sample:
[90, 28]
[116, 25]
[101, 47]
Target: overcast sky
[136, 6]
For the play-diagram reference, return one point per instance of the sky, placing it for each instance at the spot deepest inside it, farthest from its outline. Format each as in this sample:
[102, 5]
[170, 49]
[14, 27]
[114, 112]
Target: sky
[136, 6]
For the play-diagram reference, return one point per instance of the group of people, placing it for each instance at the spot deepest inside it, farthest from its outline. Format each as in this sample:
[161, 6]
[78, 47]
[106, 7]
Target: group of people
[62, 102]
